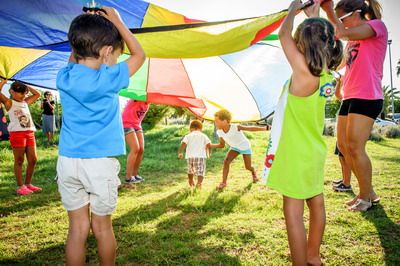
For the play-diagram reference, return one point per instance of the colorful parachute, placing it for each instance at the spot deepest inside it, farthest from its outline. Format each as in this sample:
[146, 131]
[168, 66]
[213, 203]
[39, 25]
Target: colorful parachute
[36, 47]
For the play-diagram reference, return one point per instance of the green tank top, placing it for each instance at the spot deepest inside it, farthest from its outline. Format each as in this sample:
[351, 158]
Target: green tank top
[295, 158]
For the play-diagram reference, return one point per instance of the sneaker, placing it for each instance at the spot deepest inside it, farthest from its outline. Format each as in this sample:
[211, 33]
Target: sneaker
[337, 182]
[23, 190]
[133, 180]
[33, 188]
[342, 188]
[139, 178]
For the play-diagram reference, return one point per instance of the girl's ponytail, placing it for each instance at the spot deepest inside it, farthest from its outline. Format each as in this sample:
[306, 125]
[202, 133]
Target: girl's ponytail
[370, 9]
[374, 9]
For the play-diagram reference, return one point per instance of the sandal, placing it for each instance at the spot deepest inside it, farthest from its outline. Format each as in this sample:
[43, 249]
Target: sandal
[353, 201]
[361, 206]
[221, 186]
[375, 201]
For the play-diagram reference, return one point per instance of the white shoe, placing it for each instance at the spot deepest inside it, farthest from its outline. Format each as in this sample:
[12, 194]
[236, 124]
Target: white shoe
[138, 178]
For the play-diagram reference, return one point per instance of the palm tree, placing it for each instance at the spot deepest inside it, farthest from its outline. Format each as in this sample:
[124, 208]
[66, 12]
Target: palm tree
[388, 93]
[398, 68]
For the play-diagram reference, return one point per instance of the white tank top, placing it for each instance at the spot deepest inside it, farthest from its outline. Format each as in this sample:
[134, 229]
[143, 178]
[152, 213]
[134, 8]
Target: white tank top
[20, 117]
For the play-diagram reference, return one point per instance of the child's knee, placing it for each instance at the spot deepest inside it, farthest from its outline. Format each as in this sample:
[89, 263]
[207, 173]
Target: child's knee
[32, 161]
[79, 229]
[19, 160]
[227, 162]
[101, 225]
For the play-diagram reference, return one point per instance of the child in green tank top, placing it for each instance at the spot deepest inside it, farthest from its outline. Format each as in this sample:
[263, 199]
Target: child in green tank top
[295, 159]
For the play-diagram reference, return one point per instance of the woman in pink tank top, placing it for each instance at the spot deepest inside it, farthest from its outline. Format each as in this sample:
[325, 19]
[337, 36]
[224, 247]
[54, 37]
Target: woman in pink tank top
[359, 22]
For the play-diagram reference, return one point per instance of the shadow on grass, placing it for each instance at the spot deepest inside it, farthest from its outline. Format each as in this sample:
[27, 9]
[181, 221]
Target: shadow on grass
[385, 144]
[177, 238]
[389, 233]
[53, 255]
[43, 177]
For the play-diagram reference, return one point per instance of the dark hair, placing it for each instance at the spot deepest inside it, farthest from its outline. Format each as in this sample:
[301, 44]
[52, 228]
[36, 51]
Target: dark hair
[196, 124]
[89, 33]
[18, 86]
[46, 93]
[315, 38]
[370, 9]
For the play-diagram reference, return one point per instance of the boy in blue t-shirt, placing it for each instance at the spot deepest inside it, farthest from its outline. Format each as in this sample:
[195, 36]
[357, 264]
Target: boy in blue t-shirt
[92, 129]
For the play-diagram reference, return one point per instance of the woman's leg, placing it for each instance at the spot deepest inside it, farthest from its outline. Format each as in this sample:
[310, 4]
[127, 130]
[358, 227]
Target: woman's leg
[316, 231]
[357, 133]
[139, 152]
[293, 210]
[133, 144]
[230, 156]
[346, 171]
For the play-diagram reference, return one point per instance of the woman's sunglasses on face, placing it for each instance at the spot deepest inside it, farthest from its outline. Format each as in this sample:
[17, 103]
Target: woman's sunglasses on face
[349, 14]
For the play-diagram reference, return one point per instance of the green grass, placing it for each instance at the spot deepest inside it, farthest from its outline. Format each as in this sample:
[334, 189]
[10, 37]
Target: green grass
[163, 222]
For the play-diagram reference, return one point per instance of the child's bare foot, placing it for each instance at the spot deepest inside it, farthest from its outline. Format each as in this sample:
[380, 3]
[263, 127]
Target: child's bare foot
[255, 178]
[198, 186]
[221, 186]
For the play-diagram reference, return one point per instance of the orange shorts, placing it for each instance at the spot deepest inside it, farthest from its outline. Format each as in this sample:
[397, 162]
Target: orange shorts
[19, 139]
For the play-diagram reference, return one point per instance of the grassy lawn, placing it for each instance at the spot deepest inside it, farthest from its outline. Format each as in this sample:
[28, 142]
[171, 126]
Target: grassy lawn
[163, 222]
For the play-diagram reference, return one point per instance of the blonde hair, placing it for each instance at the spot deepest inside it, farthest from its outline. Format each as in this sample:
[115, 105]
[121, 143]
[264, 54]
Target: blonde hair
[196, 124]
[224, 115]
[370, 9]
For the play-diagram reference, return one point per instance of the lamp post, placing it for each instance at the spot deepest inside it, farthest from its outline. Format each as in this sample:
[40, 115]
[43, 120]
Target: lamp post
[391, 78]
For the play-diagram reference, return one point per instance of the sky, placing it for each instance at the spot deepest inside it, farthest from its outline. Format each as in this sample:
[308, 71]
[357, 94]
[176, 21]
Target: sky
[216, 10]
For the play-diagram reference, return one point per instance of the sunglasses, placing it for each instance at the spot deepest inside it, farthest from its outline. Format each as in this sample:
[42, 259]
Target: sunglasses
[349, 14]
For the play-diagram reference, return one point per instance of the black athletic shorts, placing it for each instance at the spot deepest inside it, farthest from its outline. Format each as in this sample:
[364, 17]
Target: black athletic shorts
[370, 108]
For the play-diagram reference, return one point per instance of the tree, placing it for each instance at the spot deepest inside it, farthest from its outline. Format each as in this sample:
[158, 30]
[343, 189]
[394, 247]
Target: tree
[387, 99]
[398, 68]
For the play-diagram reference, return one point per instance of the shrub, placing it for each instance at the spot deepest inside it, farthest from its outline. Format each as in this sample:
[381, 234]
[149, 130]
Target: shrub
[392, 132]
[156, 113]
[329, 129]
[375, 136]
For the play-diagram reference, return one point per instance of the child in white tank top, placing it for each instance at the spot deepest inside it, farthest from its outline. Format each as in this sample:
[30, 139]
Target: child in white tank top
[22, 132]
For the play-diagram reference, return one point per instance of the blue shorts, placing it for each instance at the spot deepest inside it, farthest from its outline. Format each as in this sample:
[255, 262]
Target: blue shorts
[132, 129]
[241, 151]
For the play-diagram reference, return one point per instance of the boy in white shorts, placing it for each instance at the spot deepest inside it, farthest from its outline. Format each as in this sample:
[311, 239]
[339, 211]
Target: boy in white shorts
[197, 146]
[92, 130]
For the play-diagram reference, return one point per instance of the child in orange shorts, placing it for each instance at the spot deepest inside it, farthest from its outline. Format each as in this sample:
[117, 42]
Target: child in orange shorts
[22, 132]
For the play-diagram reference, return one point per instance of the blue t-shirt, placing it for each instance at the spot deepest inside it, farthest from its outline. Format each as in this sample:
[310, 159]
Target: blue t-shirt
[91, 119]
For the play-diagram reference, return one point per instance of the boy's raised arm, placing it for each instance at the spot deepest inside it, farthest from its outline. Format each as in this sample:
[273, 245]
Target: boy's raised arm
[138, 56]
[252, 128]
[4, 99]
[35, 95]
